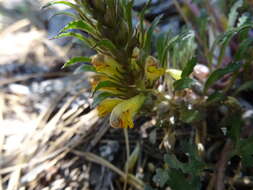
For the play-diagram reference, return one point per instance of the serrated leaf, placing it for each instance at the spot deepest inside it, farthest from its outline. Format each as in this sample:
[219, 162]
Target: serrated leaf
[80, 25]
[183, 83]
[219, 73]
[189, 67]
[76, 60]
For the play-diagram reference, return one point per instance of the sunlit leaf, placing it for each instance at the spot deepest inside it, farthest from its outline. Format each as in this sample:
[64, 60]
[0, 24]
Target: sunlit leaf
[76, 60]
[87, 68]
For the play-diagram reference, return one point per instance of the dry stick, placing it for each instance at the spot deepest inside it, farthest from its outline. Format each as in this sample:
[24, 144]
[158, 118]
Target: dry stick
[1, 135]
[105, 127]
[138, 184]
[217, 179]
[27, 77]
[221, 165]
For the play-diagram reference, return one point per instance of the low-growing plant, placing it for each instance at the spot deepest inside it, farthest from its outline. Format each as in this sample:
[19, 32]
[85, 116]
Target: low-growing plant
[188, 82]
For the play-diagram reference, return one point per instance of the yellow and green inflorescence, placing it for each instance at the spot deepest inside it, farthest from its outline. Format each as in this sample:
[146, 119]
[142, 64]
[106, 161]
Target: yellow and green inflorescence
[125, 71]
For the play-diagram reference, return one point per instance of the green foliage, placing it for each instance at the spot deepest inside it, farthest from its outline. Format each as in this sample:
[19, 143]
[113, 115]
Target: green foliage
[179, 175]
[212, 61]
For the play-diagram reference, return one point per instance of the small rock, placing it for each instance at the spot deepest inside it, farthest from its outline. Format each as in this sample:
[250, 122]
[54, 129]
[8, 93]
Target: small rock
[19, 89]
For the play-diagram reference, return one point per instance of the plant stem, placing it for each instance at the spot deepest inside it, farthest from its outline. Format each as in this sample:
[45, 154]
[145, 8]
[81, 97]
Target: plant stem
[127, 155]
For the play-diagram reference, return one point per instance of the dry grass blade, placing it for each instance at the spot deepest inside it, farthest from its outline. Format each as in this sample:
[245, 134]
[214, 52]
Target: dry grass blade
[1, 135]
[137, 183]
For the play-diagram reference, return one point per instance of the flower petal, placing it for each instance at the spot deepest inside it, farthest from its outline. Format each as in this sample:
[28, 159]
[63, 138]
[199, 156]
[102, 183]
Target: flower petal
[174, 73]
[123, 114]
[107, 105]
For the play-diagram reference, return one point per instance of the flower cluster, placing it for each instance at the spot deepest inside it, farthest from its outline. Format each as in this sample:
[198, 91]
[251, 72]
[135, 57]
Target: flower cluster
[124, 100]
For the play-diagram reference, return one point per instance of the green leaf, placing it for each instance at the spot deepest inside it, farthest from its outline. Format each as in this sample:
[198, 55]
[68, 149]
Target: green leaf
[64, 13]
[87, 41]
[80, 25]
[189, 67]
[100, 97]
[149, 33]
[76, 60]
[219, 73]
[103, 84]
[183, 83]
[161, 177]
[161, 47]
[128, 6]
[88, 68]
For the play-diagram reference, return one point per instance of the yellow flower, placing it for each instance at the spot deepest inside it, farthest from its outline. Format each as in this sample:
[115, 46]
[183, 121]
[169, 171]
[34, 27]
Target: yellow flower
[151, 69]
[105, 64]
[123, 114]
[174, 73]
[107, 105]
